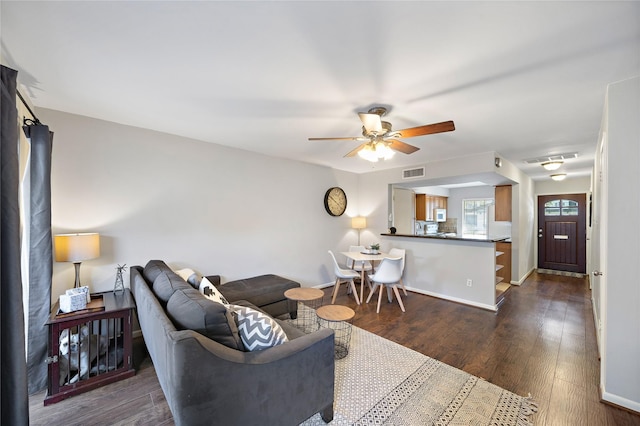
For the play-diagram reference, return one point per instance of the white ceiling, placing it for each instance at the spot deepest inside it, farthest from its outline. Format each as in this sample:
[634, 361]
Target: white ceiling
[524, 79]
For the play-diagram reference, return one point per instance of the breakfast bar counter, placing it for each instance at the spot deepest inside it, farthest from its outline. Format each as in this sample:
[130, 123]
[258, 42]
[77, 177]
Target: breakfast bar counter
[460, 268]
[457, 237]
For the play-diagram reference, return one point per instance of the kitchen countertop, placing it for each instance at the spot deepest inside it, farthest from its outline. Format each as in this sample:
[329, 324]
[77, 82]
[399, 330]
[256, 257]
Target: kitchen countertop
[456, 237]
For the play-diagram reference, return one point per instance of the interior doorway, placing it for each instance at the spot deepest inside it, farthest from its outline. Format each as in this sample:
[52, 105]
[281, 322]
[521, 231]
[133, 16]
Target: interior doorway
[562, 232]
[404, 202]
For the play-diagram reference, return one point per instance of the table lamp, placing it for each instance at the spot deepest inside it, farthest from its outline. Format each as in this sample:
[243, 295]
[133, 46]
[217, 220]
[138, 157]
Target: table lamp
[77, 248]
[359, 222]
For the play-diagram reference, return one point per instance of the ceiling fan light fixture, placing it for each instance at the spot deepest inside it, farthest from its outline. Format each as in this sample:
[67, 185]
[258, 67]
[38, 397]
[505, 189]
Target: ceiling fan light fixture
[559, 176]
[368, 153]
[376, 151]
[384, 152]
[552, 165]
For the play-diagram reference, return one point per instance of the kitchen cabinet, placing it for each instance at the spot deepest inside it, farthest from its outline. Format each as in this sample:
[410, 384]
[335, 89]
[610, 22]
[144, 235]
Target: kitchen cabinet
[426, 204]
[503, 203]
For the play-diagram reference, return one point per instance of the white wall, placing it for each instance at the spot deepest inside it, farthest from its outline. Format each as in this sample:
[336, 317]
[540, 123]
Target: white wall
[620, 372]
[193, 204]
[578, 185]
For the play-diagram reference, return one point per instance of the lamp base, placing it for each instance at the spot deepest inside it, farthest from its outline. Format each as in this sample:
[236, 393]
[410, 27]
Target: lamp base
[77, 266]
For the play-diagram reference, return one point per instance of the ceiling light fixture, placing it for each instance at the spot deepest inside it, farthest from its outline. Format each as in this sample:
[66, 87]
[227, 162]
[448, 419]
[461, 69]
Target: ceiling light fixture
[375, 151]
[552, 165]
[559, 176]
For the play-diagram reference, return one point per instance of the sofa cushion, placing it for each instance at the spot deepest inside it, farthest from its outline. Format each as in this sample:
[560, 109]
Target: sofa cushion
[190, 310]
[258, 331]
[153, 268]
[166, 283]
[261, 290]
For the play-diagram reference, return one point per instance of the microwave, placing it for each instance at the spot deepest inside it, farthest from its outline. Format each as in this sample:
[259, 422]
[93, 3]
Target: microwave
[440, 215]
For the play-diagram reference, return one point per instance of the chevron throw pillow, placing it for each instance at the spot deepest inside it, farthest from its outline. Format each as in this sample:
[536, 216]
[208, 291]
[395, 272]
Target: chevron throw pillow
[257, 330]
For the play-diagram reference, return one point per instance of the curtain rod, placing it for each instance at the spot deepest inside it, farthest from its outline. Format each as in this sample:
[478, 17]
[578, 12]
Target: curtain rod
[35, 119]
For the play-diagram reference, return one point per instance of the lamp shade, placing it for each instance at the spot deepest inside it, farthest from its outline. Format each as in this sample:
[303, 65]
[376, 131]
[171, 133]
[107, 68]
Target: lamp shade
[76, 247]
[359, 222]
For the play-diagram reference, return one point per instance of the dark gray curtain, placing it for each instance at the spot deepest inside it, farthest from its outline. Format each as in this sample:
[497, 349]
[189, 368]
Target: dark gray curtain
[13, 371]
[40, 253]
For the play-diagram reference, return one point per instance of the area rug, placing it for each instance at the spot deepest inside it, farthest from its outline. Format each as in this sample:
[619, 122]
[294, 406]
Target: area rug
[382, 383]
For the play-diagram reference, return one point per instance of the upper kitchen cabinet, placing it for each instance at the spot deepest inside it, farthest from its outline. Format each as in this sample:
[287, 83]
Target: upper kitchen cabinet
[426, 204]
[503, 203]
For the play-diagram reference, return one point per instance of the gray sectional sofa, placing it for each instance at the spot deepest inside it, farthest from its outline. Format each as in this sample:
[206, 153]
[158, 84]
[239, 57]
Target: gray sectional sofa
[205, 373]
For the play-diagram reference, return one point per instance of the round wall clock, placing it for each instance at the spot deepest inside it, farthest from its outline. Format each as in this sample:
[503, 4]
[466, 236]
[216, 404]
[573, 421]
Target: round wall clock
[335, 201]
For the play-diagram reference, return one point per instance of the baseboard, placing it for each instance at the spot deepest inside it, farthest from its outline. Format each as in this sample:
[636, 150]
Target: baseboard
[597, 327]
[522, 280]
[321, 286]
[620, 402]
[492, 308]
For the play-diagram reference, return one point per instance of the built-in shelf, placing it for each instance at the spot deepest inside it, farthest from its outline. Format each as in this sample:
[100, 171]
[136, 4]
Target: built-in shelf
[498, 267]
[498, 253]
[499, 280]
[501, 289]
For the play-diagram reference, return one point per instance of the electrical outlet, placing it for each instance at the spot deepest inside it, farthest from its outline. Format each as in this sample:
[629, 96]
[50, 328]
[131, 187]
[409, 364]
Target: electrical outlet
[469, 282]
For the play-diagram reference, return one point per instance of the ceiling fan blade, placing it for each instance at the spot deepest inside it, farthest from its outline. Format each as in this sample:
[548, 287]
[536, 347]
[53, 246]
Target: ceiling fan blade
[403, 147]
[355, 151]
[338, 139]
[371, 122]
[428, 129]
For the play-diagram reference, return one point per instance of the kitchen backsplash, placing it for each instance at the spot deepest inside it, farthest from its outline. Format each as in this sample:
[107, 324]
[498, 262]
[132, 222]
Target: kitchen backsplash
[450, 225]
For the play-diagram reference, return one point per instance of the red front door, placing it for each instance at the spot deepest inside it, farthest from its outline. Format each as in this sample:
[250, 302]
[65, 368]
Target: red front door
[562, 232]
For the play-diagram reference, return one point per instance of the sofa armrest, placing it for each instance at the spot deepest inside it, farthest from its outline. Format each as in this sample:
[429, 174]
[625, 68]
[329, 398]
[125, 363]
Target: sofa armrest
[285, 384]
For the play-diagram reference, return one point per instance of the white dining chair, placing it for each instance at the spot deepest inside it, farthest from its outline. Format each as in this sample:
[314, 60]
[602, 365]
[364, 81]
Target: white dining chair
[360, 266]
[346, 276]
[396, 252]
[387, 275]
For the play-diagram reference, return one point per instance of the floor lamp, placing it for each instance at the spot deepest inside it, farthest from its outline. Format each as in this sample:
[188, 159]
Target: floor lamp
[359, 222]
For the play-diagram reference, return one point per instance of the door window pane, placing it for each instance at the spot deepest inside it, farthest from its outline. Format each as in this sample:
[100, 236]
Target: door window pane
[569, 208]
[561, 208]
[552, 208]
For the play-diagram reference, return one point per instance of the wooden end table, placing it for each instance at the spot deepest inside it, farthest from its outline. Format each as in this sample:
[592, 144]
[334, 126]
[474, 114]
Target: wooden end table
[108, 315]
[338, 318]
[308, 299]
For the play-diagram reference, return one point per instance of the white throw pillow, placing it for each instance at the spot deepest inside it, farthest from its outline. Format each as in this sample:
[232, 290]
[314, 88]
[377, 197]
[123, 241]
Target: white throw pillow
[211, 292]
[257, 330]
[190, 276]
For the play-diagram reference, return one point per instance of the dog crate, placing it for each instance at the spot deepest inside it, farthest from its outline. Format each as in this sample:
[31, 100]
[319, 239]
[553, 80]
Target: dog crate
[91, 347]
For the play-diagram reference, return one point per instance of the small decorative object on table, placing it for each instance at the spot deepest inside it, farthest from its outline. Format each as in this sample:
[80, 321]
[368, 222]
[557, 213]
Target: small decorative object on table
[118, 287]
[374, 248]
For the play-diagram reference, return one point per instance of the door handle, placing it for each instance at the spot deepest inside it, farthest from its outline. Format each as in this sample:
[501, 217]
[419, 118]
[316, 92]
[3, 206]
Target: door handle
[597, 273]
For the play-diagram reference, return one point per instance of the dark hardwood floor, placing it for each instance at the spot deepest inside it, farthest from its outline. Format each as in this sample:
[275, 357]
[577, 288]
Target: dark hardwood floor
[542, 342]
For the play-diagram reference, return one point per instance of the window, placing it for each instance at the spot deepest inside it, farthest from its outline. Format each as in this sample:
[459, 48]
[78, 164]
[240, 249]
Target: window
[561, 208]
[475, 216]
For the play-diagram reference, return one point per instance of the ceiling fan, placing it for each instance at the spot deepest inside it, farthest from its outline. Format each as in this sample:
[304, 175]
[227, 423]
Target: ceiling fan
[381, 142]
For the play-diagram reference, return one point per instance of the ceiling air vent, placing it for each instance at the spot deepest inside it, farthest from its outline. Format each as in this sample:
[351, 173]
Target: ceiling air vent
[413, 173]
[555, 157]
